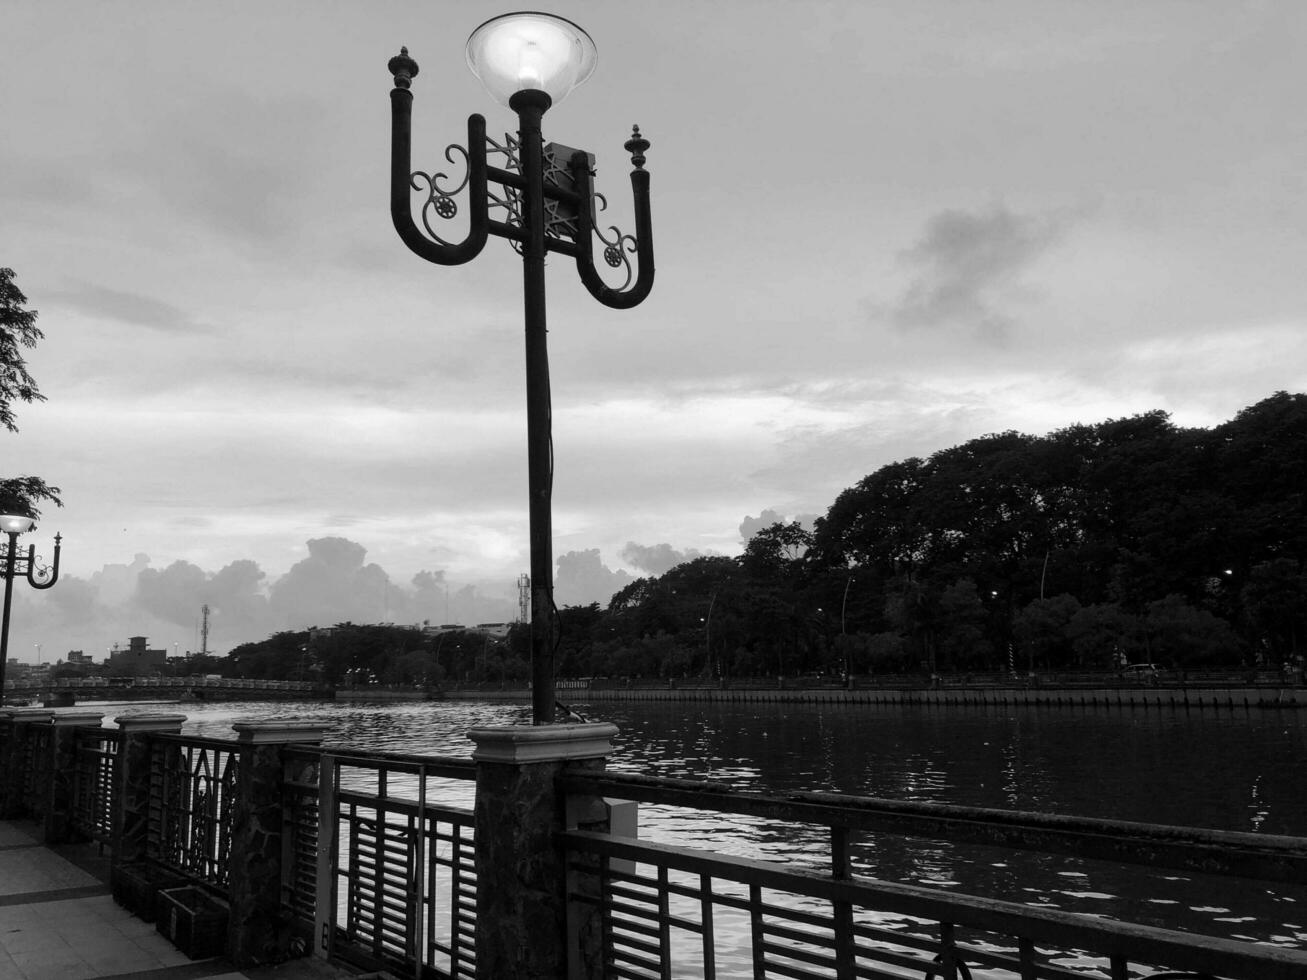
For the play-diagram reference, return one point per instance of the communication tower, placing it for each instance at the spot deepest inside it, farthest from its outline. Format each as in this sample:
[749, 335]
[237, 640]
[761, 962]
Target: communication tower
[204, 631]
[524, 598]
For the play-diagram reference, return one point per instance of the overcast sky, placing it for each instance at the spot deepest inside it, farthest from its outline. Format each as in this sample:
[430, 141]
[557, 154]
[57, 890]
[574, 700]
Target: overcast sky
[882, 228]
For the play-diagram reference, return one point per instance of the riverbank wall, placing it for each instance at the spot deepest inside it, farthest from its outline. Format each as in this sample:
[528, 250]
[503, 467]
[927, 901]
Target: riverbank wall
[1146, 698]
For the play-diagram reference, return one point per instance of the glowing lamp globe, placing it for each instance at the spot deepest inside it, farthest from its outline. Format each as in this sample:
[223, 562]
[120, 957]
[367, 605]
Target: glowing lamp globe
[16, 523]
[530, 51]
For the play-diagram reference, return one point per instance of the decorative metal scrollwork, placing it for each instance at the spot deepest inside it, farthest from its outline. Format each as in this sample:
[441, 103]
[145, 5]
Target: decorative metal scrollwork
[498, 193]
[618, 246]
[511, 201]
[440, 199]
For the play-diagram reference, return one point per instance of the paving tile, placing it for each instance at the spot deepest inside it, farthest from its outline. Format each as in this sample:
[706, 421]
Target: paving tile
[35, 869]
[14, 833]
[42, 961]
[31, 938]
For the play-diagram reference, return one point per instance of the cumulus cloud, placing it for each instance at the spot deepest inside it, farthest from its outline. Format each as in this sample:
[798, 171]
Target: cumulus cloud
[334, 583]
[584, 578]
[968, 265]
[657, 558]
[752, 525]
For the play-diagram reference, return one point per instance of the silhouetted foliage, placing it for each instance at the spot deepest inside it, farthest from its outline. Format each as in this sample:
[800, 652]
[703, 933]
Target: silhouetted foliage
[1093, 547]
[18, 329]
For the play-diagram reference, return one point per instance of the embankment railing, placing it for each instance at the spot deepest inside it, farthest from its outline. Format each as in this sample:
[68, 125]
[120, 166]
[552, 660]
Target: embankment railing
[392, 863]
[383, 864]
[193, 788]
[667, 909]
[94, 777]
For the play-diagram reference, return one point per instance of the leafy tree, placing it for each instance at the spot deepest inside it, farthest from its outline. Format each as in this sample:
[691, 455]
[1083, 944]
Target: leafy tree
[1275, 601]
[18, 329]
[1104, 636]
[1180, 634]
[1042, 629]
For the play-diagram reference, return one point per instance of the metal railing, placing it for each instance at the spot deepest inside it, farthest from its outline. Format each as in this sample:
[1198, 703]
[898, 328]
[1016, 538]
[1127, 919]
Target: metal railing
[380, 870]
[673, 911]
[192, 789]
[94, 782]
[394, 885]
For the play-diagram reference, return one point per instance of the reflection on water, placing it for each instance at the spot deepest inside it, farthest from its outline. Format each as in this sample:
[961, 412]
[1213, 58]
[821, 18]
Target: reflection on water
[1224, 770]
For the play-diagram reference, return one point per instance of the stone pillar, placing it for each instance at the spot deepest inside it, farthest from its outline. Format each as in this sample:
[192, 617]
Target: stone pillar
[259, 929]
[59, 800]
[6, 752]
[132, 782]
[22, 722]
[521, 928]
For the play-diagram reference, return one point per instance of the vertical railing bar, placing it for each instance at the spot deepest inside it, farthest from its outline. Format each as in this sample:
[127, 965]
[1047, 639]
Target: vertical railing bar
[948, 965]
[607, 955]
[756, 932]
[1026, 952]
[709, 924]
[664, 925]
[842, 869]
[328, 860]
[418, 876]
[1119, 966]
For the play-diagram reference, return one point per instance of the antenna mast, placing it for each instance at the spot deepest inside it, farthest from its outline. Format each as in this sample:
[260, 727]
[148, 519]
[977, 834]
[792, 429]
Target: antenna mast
[204, 631]
[524, 598]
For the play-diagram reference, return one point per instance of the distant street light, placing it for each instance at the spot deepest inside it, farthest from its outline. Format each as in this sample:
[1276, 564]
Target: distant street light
[39, 576]
[543, 202]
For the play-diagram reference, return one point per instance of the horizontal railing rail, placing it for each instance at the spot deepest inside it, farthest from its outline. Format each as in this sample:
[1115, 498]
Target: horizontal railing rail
[679, 911]
[801, 922]
[1263, 856]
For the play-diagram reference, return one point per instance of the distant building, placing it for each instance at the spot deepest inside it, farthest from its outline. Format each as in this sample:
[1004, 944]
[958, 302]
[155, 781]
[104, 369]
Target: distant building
[137, 659]
[430, 630]
[80, 658]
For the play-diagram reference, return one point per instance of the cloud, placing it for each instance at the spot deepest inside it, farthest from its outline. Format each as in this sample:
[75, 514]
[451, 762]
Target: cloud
[333, 584]
[752, 525]
[656, 559]
[134, 309]
[584, 578]
[969, 266]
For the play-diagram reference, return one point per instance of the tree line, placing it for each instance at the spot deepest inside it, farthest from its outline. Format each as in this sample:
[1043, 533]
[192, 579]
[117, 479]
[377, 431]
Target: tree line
[1095, 546]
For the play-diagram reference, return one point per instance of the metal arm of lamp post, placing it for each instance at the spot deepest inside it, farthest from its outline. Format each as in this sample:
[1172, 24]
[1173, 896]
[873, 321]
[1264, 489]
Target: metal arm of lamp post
[542, 201]
[28, 566]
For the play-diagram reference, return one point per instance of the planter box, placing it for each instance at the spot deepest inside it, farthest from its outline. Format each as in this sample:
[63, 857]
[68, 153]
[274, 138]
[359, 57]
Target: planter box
[136, 887]
[194, 921]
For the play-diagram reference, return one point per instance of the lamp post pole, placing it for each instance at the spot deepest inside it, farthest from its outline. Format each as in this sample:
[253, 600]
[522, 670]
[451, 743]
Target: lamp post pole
[39, 576]
[542, 201]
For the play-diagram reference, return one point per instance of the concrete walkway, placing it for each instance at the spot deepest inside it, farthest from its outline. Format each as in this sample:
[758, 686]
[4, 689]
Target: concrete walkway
[58, 922]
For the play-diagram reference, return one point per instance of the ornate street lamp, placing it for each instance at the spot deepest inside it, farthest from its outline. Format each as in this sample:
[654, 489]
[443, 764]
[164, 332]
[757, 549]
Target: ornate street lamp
[542, 201]
[38, 575]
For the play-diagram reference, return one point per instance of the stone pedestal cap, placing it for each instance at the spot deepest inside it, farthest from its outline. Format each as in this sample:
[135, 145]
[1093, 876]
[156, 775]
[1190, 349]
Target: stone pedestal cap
[516, 744]
[31, 714]
[69, 719]
[278, 731]
[130, 724]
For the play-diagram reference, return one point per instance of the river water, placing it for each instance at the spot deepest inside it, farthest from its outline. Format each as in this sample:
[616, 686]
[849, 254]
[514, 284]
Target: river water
[1226, 770]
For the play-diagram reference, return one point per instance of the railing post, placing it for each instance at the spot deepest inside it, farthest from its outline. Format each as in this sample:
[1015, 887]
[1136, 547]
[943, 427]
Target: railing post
[521, 928]
[259, 930]
[131, 813]
[23, 721]
[60, 790]
[8, 777]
